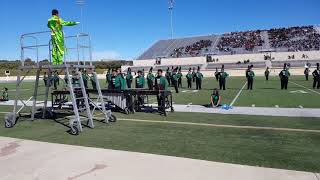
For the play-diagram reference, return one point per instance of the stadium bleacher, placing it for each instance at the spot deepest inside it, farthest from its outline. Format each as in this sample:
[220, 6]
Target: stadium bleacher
[166, 48]
[305, 38]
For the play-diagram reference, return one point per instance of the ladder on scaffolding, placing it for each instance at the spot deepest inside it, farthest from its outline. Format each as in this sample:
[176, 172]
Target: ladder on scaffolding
[83, 107]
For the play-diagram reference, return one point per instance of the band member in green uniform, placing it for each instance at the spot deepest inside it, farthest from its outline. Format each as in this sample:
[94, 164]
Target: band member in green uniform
[140, 83]
[175, 80]
[216, 74]
[85, 78]
[316, 77]
[161, 84]
[222, 79]
[180, 78]
[108, 79]
[142, 73]
[306, 73]
[247, 70]
[75, 79]
[150, 79]
[66, 79]
[250, 77]
[215, 98]
[267, 73]
[5, 95]
[168, 76]
[194, 74]
[189, 78]
[171, 78]
[122, 80]
[115, 80]
[284, 77]
[140, 80]
[93, 79]
[129, 78]
[56, 80]
[199, 77]
[46, 79]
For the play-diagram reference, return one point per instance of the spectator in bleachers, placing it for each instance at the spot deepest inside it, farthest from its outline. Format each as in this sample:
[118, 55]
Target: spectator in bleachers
[247, 40]
[303, 38]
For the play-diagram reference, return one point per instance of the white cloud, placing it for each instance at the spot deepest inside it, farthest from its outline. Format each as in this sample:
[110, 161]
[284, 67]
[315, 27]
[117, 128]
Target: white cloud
[107, 54]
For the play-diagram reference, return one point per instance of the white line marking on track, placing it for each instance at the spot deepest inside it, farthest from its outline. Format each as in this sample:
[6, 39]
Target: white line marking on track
[5, 112]
[222, 126]
[13, 90]
[305, 87]
[237, 96]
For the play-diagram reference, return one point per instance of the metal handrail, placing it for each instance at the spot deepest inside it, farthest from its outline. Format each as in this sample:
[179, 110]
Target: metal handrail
[35, 45]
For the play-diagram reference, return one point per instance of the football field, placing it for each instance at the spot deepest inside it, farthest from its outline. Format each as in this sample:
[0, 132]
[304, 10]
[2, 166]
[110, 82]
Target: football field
[268, 141]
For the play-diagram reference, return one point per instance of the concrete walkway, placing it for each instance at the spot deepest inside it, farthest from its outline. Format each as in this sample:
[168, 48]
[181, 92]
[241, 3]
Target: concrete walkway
[30, 160]
[258, 111]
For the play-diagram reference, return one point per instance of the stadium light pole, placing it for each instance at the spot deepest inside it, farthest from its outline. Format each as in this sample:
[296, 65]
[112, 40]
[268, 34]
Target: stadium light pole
[171, 5]
[81, 3]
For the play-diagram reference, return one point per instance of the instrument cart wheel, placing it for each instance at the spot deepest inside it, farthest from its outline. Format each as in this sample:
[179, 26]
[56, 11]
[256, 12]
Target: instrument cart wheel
[74, 130]
[112, 119]
[9, 122]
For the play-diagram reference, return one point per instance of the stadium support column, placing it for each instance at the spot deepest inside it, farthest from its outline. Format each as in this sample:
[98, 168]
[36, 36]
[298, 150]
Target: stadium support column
[171, 4]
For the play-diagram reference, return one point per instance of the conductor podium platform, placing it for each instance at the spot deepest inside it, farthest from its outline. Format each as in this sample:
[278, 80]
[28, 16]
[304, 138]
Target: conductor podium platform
[77, 61]
[132, 100]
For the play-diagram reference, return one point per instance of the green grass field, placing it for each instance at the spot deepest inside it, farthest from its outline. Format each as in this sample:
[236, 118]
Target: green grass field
[257, 147]
[265, 94]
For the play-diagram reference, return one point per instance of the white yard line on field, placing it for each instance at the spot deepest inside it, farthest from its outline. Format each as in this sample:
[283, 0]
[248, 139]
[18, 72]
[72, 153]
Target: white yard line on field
[5, 112]
[13, 90]
[222, 126]
[305, 87]
[237, 96]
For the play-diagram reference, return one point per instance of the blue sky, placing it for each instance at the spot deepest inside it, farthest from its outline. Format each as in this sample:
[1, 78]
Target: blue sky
[125, 28]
